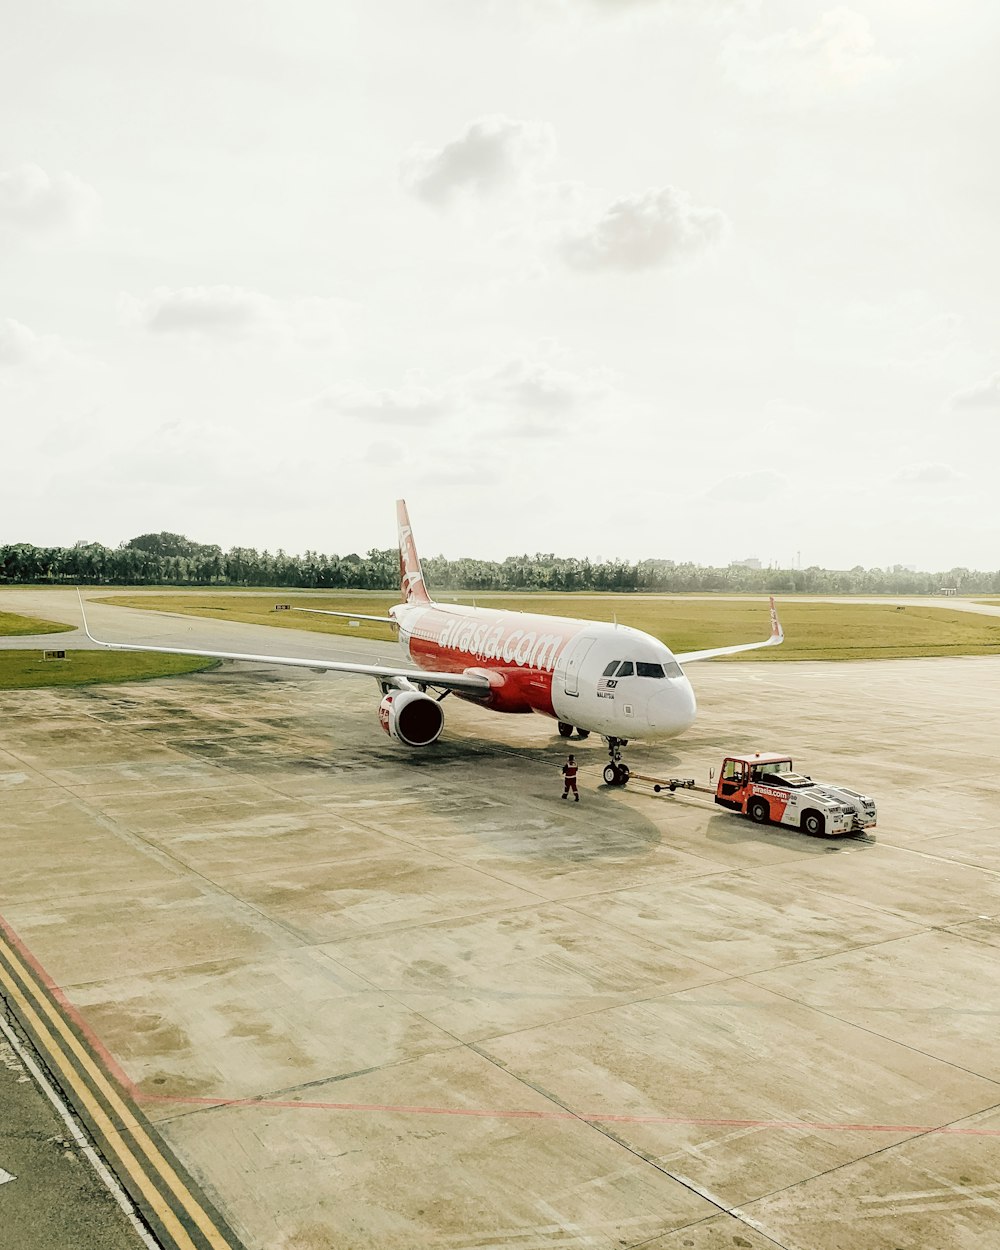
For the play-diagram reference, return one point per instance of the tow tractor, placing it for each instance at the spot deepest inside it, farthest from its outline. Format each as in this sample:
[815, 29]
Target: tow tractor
[767, 789]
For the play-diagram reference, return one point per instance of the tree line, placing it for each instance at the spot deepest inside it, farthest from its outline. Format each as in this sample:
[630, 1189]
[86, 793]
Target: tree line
[172, 559]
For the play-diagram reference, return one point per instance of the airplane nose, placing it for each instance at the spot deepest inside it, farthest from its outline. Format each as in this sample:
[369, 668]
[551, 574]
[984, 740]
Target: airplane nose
[673, 710]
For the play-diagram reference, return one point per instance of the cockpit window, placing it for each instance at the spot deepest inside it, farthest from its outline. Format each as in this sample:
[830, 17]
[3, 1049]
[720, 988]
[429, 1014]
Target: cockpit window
[642, 669]
[611, 668]
[625, 669]
[673, 669]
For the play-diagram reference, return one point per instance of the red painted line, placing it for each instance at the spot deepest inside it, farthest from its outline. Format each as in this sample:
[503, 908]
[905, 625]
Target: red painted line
[128, 1085]
[111, 1065]
[587, 1117]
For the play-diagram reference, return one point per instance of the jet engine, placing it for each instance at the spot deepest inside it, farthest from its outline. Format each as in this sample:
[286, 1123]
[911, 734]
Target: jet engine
[412, 718]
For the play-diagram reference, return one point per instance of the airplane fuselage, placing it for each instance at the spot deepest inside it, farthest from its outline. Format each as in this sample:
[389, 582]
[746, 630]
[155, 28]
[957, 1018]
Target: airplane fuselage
[608, 679]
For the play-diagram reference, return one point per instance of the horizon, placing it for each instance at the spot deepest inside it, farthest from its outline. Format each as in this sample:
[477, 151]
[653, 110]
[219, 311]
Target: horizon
[538, 556]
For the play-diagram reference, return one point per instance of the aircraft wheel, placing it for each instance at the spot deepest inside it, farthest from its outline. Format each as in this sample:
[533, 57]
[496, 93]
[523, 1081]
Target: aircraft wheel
[759, 812]
[611, 775]
[623, 774]
[813, 823]
[564, 729]
[583, 733]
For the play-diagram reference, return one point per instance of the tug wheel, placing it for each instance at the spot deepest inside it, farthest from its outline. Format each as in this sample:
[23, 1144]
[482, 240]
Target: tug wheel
[813, 822]
[564, 729]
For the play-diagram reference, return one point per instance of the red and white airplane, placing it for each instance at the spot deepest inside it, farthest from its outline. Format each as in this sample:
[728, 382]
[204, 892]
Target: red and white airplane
[588, 675]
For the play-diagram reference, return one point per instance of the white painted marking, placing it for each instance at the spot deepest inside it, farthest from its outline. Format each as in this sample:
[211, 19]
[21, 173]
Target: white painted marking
[5, 1177]
[736, 1212]
[91, 1155]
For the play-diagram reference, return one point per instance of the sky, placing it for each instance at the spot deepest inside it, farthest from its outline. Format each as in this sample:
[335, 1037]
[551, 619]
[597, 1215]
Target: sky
[683, 279]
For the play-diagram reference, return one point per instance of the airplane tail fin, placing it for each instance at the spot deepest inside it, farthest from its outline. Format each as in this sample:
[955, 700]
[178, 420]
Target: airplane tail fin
[411, 576]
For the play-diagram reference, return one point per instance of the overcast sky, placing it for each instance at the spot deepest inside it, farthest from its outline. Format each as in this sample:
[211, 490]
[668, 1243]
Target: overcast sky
[694, 279]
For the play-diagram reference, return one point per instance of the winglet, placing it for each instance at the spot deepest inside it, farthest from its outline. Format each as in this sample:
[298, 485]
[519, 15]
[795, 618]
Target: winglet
[777, 633]
[83, 613]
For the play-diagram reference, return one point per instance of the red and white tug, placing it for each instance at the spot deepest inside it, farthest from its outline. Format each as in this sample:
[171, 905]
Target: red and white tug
[767, 789]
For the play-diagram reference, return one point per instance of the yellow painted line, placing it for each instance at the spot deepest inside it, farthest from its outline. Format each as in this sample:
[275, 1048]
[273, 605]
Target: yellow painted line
[113, 1135]
[145, 1142]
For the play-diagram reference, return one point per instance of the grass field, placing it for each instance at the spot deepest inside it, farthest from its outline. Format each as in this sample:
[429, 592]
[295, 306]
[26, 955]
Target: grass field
[23, 670]
[14, 626]
[813, 631]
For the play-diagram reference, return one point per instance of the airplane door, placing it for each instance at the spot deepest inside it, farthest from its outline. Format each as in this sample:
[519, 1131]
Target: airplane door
[575, 658]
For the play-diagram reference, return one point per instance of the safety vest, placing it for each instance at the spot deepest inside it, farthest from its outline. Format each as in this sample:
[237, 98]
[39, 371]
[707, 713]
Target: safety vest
[569, 770]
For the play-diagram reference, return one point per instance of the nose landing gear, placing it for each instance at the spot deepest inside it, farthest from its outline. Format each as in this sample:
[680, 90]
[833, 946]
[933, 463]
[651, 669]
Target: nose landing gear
[616, 773]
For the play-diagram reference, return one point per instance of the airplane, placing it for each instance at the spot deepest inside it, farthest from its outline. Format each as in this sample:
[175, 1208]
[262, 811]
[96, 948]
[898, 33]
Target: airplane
[589, 676]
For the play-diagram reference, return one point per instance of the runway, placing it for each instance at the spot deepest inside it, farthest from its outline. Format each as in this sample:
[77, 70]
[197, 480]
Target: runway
[369, 997]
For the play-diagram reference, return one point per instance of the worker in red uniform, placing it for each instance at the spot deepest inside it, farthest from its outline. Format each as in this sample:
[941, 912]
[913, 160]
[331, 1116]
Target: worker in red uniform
[569, 771]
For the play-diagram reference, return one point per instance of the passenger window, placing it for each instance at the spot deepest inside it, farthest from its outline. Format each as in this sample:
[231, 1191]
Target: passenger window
[611, 668]
[625, 669]
[643, 669]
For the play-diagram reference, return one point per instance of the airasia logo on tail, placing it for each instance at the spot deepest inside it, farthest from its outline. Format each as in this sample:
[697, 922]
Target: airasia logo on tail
[411, 579]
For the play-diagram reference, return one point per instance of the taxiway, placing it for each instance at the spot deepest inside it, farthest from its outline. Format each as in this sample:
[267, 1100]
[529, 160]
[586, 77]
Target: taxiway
[372, 997]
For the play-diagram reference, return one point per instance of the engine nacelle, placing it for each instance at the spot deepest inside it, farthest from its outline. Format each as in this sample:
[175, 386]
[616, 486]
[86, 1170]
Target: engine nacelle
[412, 718]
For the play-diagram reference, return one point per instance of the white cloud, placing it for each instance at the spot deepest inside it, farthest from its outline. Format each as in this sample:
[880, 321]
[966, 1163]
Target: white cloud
[212, 310]
[524, 396]
[495, 154]
[707, 10]
[985, 394]
[646, 230]
[536, 386]
[34, 201]
[838, 56]
[410, 404]
[759, 487]
[928, 475]
[19, 345]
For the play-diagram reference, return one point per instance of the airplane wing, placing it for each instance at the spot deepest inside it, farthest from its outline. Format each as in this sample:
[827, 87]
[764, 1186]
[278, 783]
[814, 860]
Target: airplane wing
[354, 616]
[467, 683]
[777, 637]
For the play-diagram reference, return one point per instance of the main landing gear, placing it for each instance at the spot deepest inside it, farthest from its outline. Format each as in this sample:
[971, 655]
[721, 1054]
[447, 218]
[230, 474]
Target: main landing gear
[616, 773]
[566, 731]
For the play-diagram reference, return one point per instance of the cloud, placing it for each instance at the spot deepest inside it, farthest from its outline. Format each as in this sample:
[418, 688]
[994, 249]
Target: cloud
[524, 396]
[465, 474]
[19, 345]
[760, 487]
[495, 154]
[211, 310]
[835, 58]
[537, 386]
[982, 395]
[33, 201]
[410, 404]
[706, 10]
[644, 231]
[928, 475]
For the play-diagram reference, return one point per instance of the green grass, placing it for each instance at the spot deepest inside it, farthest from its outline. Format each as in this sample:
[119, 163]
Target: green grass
[23, 670]
[813, 631]
[14, 626]
[259, 610]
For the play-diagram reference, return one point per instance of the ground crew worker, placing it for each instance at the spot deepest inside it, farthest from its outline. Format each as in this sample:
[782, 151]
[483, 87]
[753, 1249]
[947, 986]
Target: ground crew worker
[569, 771]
